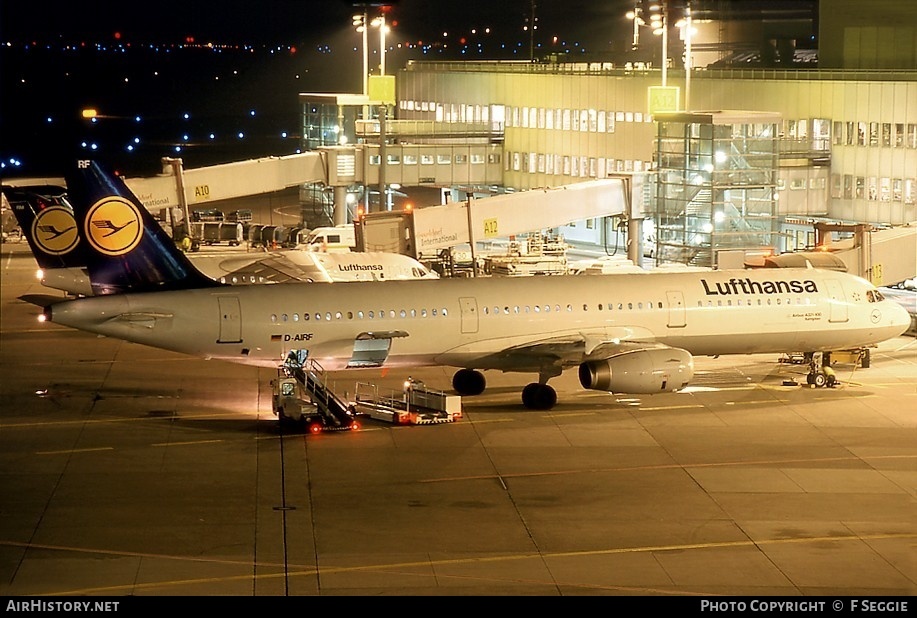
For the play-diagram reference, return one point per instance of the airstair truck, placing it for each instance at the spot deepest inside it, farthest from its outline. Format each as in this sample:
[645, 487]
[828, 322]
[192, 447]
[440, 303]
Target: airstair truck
[301, 395]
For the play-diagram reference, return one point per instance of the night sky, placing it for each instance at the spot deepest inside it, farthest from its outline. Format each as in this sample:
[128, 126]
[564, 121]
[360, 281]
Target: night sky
[217, 81]
[276, 21]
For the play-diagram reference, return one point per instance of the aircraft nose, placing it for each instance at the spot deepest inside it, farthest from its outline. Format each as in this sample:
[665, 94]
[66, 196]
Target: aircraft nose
[900, 318]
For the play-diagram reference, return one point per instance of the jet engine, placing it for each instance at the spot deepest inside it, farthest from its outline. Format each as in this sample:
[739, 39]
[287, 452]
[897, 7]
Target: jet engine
[653, 370]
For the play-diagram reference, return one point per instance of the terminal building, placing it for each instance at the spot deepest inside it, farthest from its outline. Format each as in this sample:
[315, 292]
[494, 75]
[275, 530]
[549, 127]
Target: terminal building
[749, 152]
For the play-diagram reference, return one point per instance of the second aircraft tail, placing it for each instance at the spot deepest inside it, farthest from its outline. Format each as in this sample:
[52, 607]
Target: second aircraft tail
[126, 249]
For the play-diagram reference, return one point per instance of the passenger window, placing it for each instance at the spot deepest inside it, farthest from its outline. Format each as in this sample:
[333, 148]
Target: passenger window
[445, 311]
[283, 317]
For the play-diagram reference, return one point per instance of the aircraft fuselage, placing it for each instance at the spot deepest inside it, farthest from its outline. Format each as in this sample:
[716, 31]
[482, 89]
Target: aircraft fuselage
[480, 322]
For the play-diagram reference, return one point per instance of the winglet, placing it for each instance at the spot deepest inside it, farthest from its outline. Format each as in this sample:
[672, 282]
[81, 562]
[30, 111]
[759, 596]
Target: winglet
[126, 249]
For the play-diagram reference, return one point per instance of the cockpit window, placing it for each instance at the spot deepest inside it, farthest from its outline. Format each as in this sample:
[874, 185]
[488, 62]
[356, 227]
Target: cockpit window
[874, 296]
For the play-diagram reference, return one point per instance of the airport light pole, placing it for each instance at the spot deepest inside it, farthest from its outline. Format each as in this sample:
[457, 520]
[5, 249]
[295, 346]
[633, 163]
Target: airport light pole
[635, 15]
[360, 22]
[659, 22]
[687, 33]
[379, 22]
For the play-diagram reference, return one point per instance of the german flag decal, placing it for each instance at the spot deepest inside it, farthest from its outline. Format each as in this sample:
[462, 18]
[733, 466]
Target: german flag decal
[276, 337]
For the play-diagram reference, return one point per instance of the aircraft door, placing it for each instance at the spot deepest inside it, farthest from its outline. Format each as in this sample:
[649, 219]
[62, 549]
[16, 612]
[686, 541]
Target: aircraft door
[676, 302]
[230, 320]
[837, 304]
[469, 308]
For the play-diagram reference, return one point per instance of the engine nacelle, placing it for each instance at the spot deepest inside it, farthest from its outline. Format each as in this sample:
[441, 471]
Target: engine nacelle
[654, 370]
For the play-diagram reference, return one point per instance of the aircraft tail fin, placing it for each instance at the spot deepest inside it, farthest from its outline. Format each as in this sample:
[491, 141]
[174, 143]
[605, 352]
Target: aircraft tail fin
[126, 249]
[46, 220]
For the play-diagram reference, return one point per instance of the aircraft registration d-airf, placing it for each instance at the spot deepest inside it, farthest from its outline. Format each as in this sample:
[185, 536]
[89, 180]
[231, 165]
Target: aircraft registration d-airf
[626, 333]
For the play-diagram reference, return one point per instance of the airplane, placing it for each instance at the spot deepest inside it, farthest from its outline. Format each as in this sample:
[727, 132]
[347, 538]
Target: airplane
[46, 220]
[45, 217]
[635, 333]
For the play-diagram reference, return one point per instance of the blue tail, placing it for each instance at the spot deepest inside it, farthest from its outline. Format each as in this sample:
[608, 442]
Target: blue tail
[126, 249]
[46, 220]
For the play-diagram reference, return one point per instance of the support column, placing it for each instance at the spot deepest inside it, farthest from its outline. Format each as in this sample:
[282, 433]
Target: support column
[340, 206]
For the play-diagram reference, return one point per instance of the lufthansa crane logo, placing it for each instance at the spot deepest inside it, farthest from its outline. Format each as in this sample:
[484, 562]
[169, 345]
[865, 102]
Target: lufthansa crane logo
[113, 226]
[54, 230]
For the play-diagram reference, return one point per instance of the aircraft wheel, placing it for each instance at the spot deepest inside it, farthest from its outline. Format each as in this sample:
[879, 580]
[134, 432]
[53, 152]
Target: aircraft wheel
[537, 396]
[830, 381]
[468, 382]
[819, 380]
[810, 378]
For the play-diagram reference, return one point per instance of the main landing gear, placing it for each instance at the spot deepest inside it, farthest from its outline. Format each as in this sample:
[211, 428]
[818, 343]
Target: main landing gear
[535, 396]
[820, 372]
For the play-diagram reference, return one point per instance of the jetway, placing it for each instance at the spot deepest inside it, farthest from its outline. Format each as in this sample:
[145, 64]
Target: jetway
[337, 167]
[426, 230]
[883, 256]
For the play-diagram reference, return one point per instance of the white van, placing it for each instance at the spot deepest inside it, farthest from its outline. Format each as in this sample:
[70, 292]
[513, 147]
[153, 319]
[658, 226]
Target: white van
[338, 238]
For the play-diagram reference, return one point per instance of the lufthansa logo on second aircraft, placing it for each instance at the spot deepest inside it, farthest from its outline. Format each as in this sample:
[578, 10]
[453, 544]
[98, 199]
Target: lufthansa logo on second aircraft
[54, 230]
[113, 226]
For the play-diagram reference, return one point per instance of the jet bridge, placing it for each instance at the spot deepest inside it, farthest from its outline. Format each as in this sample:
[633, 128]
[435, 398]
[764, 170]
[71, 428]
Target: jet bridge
[430, 229]
[883, 256]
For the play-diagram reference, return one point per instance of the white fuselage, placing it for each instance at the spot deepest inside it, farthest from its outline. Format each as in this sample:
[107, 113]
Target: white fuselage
[482, 323]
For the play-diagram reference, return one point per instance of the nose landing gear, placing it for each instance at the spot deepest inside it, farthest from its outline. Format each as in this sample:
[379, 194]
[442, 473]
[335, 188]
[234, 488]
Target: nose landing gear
[820, 373]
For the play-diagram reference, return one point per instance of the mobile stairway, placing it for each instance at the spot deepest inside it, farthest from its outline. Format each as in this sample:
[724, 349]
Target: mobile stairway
[302, 395]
